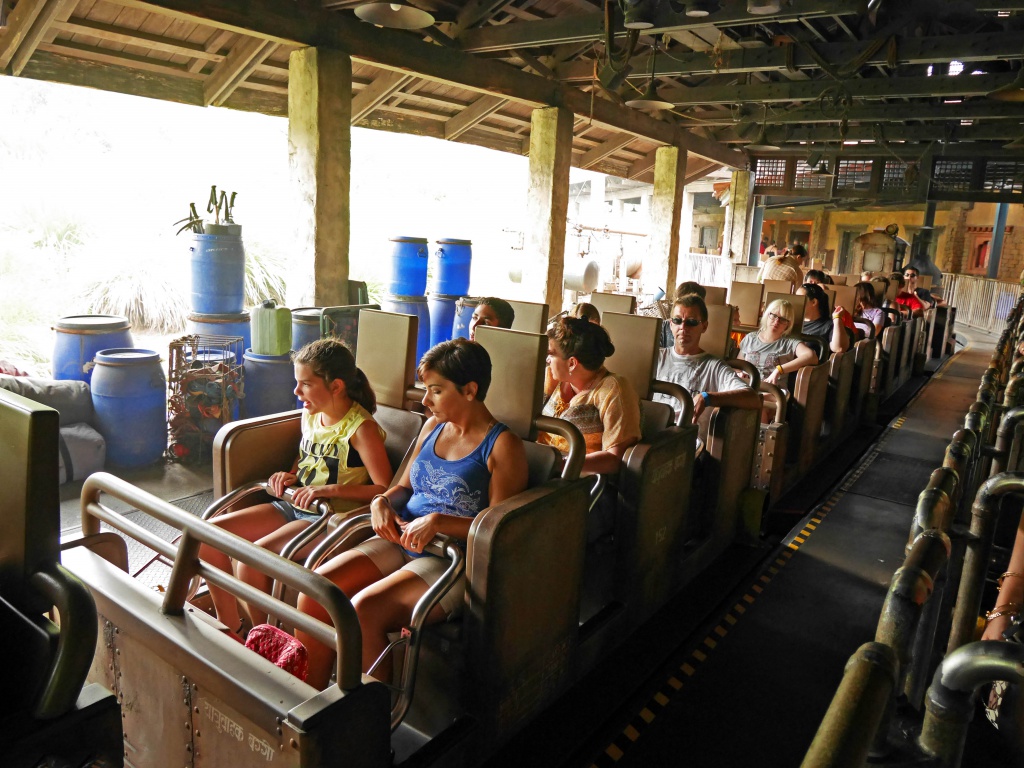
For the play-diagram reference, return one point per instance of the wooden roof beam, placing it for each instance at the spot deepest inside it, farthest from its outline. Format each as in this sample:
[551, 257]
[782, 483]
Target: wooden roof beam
[865, 88]
[26, 31]
[595, 155]
[585, 27]
[115, 34]
[476, 12]
[376, 93]
[473, 115]
[237, 65]
[927, 50]
[299, 23]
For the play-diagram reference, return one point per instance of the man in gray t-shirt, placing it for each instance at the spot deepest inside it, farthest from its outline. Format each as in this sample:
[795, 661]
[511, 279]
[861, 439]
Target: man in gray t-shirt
[709, 380]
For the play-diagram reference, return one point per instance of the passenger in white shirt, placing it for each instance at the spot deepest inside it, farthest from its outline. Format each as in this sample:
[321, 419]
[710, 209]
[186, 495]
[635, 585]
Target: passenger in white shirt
[709, 380]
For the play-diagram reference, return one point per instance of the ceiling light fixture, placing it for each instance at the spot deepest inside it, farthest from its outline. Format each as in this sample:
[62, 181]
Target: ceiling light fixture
[763, 7]
[761, 143]
[822, 170]
[650, 99]
[637, 15]
[698, 9]
[397, 15]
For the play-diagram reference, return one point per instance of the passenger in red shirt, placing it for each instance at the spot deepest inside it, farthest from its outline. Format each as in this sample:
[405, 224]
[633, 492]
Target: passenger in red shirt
[907, 300]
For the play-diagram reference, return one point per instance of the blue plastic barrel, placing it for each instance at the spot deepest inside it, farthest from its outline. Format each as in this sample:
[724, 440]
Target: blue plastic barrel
[412, 305]
[305, 326]
[464, 309]
[408, 267]
[452, 261]
[129, 400]
[218, 274]
[232, 324]
[80, 337]
[442, 317]
[269, 384]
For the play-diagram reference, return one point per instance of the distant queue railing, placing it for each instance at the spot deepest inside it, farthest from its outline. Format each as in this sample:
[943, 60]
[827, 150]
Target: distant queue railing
[935, 596]
[980, 302]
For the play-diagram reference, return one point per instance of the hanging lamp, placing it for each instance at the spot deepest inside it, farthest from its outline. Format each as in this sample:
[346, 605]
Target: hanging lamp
[397, 15]
[822, 170]
[649, 99]
[761, 143]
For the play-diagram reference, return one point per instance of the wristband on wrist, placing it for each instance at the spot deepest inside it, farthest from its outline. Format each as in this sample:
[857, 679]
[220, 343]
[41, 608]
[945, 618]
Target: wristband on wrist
[779, 369]
[380, 496]
[1006, 609]
[1010, 575]
[706, 397]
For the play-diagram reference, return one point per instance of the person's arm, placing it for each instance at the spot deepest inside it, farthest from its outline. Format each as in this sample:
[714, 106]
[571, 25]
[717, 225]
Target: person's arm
[1010, 601]
[369, 444]
[735, 398]
[804, 356]
[838, 340]
[620, 415]
[281, 480]
[879, 324]
[383, 515]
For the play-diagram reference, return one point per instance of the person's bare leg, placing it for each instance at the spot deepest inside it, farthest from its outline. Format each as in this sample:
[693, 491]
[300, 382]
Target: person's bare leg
[386, 606]
[251, 523]
[275, 542]
[352, 572]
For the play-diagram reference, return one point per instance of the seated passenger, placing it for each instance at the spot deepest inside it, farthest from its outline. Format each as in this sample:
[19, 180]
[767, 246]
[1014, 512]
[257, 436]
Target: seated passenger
[866, 275]
[784, 267]
[866, 305]
[603, 406]
[771, 349]
[833, 334]
[817, 276]
[683, 289]
[710, 381]
[464, 461]
[585, 311]
[912, 275]
[341, 459]
[907, 302]
[493, 312]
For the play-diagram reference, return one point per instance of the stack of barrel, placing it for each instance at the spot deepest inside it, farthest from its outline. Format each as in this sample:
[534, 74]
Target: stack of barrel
[407, 286]
[126, 384]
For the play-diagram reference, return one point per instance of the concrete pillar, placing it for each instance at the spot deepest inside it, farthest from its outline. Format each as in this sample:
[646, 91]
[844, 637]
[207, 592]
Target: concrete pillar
[819, 235]
[662, 257]
[320, 156]
[996, 249]
[685, 238]
[546, 205]
[754, 253]
[739, 216]
[952, 260]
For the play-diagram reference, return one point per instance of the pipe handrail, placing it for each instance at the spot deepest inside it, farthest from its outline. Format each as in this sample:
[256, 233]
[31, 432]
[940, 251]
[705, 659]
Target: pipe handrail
[345, 636]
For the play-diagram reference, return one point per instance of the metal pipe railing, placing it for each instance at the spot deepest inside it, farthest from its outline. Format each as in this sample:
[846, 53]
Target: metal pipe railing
[950, 704]
[345, 636]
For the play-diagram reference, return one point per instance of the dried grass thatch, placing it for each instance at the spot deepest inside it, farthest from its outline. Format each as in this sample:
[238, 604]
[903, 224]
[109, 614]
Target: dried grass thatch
[149, 300]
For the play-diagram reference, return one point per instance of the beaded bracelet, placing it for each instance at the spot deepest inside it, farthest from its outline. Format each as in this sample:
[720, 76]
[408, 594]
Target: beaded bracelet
[1009, 574]
[1006, 609]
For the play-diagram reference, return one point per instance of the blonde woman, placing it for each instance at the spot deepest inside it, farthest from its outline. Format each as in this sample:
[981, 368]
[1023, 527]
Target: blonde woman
[771, 349]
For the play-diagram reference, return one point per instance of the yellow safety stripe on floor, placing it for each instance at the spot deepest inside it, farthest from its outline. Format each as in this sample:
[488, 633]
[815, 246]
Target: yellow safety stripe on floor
[663, 696]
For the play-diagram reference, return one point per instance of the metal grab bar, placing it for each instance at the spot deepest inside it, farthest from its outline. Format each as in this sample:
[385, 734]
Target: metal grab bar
[345, 636]
[979, 549]
[76, 643]
[577, 446]
[230, 499]
[780, 398]
[950, 703]
[671, 389]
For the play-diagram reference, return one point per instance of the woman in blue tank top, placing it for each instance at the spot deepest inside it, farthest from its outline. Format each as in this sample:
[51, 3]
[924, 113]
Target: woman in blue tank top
[464, 462]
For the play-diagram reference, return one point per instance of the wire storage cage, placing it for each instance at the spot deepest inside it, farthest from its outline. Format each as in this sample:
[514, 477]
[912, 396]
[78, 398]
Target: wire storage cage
[205, 381]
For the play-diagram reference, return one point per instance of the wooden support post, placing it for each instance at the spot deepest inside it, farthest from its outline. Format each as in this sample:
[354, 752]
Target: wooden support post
[739, 217]
[547, 205]
[662, 260]
[320, 156]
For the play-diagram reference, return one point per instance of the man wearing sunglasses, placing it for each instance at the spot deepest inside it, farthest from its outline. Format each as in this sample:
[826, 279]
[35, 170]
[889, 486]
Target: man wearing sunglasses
[708, 379]
[907, 298]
